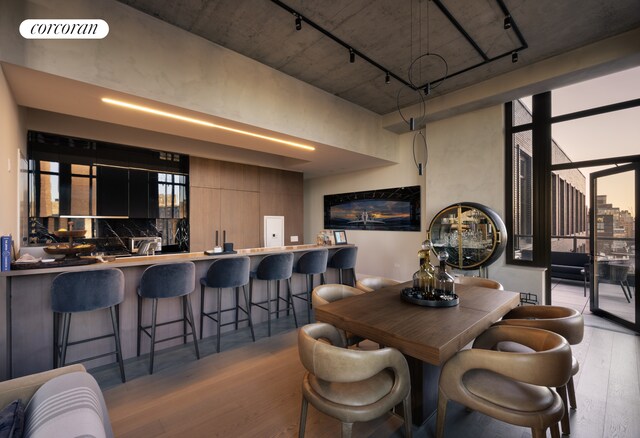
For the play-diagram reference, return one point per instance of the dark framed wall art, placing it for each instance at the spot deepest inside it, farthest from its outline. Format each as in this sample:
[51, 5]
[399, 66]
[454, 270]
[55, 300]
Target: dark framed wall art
[396, 209]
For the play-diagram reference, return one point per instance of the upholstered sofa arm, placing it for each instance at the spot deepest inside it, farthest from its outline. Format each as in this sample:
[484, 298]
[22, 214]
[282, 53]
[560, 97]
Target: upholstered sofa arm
[24, 387]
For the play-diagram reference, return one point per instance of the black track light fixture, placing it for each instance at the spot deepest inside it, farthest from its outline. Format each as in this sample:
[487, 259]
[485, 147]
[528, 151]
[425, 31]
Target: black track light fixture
[427, 89]
[387, 78]
[352, 56]
[507, 22]
[298, 22]
[514, 57]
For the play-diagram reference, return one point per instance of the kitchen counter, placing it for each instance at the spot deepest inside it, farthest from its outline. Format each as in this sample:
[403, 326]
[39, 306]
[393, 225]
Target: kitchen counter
[27, 335]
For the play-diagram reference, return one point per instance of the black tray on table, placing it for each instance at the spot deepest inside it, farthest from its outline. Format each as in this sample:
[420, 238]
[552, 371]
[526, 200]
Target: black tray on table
[407, 295]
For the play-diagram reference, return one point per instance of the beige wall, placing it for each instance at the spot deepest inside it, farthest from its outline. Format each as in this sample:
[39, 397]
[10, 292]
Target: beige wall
[149, 58]
[12, 139]
[466, 163]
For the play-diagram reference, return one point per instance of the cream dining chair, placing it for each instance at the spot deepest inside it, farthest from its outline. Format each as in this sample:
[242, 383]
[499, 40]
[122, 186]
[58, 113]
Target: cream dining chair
[350, 385]
[510, 387]
[478, 281]
[369, 284]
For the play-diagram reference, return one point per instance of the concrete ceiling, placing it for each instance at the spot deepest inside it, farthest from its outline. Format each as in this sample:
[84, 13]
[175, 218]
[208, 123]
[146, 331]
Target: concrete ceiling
[393, 33]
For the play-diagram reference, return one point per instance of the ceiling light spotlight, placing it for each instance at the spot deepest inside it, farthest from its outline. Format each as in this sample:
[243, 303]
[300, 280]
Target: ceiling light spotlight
[387, 78]
[514, 57]
[507, 22]
[427, 89]
[352, 56]
[298, 22]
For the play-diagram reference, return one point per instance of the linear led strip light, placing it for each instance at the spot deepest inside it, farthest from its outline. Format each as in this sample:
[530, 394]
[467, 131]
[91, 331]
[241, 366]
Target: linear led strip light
[157, 112]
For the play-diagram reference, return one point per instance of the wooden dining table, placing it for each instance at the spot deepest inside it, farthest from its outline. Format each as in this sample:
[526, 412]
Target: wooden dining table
[427, 336]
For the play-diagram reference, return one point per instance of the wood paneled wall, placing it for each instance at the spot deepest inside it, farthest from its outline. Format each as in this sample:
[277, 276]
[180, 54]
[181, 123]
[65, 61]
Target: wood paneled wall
[235, 197]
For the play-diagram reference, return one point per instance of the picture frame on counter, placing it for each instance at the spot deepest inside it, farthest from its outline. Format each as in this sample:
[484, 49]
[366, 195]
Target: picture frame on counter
[340, 237]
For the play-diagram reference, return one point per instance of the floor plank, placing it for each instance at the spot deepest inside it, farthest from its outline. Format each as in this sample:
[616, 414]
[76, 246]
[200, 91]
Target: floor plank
[253, 390]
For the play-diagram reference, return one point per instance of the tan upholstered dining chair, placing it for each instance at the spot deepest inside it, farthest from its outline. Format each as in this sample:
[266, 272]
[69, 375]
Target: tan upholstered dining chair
[511, 387]
[328, 293]
[479, 281]
[564, 321]
[369, 284]
[350, 385]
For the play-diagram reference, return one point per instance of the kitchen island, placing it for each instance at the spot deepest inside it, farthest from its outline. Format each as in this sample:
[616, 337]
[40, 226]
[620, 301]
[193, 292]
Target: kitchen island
[26, 340]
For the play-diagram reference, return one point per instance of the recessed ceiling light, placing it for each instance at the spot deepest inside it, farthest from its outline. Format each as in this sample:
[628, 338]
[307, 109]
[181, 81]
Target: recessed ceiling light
[174, 116]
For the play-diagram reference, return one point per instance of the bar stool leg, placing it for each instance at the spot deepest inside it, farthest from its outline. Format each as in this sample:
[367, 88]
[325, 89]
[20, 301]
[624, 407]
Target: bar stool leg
[247, 303]
[309, 287]
[56, 336]
[187, 300]
[237, 304]
[201, 309]
[278, 299]
[219, 316]
[340, 276]
[269, 307]
[322, 279]
[65, 337]
[184, 321]
[116, 333]
[139, 324]
[290, 302]
[153, 333]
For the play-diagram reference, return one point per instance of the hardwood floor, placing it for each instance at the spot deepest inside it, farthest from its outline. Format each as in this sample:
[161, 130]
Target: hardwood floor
[253, 390]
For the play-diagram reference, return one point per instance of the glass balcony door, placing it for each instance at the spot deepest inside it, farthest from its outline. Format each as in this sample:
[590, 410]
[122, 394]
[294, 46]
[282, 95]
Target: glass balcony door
[614, 244]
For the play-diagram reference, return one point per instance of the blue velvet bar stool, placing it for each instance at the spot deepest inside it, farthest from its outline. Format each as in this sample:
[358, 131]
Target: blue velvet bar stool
[309, 264]
[85, 291]
[170, 280]
[274, 267]
[345, 259]
[226, 273]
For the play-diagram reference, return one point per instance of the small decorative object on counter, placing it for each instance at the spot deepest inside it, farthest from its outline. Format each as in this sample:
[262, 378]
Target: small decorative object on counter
[444, 286]
[423, 254]
[5, 264]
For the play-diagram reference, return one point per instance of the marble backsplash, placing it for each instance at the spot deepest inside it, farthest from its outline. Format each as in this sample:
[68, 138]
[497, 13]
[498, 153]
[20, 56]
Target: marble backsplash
[111, 236]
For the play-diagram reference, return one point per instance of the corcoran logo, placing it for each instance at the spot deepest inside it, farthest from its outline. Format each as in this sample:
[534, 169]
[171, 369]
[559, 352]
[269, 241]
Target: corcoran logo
[59, 29]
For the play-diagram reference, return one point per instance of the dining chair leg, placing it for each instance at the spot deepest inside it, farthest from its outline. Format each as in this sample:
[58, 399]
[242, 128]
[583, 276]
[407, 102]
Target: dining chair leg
[406, 412]
[347, 429]
[541, 433]
[562, 392]
[441, 414]
[572, 394]
[154, 312]
[116, 334]
[555, 432]
[246, 303]
[303, 417]
[187, 304]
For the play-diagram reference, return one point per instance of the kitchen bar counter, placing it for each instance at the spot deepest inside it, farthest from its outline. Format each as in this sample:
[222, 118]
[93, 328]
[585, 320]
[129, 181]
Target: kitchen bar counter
[26, 338]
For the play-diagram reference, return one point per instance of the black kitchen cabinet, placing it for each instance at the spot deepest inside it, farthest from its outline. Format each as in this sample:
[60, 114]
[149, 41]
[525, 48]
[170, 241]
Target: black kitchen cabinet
[138, 193]
[112, 191]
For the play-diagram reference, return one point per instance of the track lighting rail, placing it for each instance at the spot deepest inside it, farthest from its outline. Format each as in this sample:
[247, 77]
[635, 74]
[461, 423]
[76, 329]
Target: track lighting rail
[353, 52]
